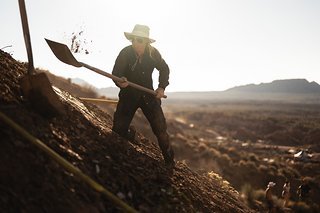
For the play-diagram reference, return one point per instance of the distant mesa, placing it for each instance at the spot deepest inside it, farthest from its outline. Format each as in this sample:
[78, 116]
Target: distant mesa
[280, 86]
[288, 90]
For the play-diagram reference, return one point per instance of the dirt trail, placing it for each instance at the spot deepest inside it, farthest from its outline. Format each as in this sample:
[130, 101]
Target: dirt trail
[30, 181]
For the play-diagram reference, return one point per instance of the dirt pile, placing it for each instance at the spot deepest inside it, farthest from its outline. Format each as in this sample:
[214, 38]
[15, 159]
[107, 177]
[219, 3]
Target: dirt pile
[30, 181]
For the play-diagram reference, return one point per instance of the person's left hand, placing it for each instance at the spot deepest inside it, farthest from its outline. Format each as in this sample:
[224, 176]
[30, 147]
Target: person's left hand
[124, 83]
[160, 92]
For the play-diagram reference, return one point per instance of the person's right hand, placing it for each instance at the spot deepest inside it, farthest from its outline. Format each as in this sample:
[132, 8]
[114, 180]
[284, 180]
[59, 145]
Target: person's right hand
[159, 93]
[124, 83]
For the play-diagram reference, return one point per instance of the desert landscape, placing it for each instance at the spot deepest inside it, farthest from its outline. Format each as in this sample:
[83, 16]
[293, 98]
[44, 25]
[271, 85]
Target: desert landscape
[237, 81]
[248, 139]
[132, 173]
[249, 144]
[227, 151]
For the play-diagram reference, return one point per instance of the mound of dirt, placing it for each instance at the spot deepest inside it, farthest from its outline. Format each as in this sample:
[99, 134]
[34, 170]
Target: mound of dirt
[30, 181]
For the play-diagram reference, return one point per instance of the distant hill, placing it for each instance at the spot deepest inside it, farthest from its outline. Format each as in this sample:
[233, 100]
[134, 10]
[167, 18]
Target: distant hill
[110, 92]
[280, 86]
[288, 90]
[80, 90]
[81, 82]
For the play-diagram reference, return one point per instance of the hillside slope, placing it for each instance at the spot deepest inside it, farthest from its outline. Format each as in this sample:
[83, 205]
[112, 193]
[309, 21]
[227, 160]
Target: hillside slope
[30, 181]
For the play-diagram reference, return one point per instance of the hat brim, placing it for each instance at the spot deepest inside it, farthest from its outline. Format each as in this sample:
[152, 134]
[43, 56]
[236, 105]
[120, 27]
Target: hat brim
[130, 36]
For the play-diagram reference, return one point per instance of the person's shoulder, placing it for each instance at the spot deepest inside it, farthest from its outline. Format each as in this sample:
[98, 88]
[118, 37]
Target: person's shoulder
[155, 50]
[155, 53]
[126, 49]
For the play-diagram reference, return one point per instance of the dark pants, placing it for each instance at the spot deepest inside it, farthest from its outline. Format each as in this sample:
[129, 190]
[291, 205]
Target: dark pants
[151, 108]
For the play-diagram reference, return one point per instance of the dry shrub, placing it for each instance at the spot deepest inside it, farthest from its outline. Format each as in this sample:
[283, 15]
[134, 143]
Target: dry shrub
[273, 168]
[251, 166]
[263, 169]
[313, 136]
[289, 172]
[301, 207]
[253, 158]
[317, 179]
[248, 194]
[309, 167]
[225, 160]
[207, 165]
[260, 195]
[255, 199]
[245, 134]
[248, 165]
[280, 137]
[214, 153]
[202, 147]
[242, 163]
[233, 153]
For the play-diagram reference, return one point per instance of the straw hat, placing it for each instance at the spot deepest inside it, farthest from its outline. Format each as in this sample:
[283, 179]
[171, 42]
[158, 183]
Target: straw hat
[139, 31]
[271, 184]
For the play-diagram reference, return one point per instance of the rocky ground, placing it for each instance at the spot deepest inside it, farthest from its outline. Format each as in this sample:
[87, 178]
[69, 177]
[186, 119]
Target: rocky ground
[30, 181]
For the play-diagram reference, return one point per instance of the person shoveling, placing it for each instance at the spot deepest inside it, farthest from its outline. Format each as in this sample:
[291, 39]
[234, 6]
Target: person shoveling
[132, 72]
[136, 63]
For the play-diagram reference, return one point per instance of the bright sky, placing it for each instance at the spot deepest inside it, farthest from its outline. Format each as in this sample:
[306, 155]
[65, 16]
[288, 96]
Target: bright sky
[209, 45]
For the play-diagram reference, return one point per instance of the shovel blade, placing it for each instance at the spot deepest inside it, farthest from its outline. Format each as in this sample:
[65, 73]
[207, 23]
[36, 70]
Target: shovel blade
[38, 90]
[62, 52]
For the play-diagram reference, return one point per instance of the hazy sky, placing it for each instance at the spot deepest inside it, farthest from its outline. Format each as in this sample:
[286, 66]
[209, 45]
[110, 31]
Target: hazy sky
[208, 45]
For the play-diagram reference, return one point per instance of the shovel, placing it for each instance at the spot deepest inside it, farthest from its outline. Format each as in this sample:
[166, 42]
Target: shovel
[62, 52]
[36, 87]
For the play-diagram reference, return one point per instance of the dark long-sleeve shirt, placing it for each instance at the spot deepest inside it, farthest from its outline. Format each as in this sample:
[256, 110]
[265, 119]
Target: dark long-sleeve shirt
[140, 71]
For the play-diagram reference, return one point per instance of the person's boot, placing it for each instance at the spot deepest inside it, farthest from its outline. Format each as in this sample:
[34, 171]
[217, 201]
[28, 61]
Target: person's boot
[169, 158]
[166, 149]
[131, 134]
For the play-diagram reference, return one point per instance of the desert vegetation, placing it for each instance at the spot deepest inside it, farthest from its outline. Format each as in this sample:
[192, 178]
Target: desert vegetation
[248, 144]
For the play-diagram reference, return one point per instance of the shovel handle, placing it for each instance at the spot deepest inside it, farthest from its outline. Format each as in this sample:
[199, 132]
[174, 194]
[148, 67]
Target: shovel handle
[26, 34]
[115, 78]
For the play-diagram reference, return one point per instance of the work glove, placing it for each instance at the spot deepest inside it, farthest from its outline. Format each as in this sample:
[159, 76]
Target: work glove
[160, 92]
[124, 83]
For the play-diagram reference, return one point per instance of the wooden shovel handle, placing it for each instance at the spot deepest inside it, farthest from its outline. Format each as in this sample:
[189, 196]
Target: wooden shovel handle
[113, 77]
[26, 35]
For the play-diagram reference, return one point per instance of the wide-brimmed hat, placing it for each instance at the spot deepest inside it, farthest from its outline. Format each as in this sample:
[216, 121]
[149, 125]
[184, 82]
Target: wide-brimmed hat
[139, 31]
[271, 184]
